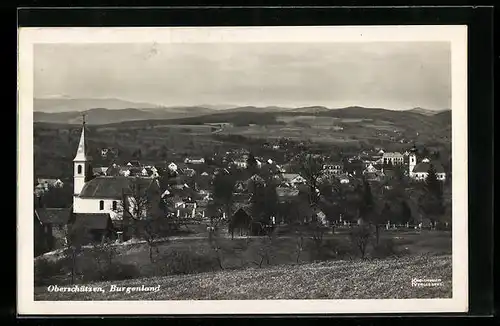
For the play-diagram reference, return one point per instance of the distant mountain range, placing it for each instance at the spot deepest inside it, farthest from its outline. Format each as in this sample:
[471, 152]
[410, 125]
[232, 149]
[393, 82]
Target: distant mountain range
[425, 111]
[64, 104]
[109, 111]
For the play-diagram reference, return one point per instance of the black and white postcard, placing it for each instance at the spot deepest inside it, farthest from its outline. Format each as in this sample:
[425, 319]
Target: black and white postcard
[242, 170]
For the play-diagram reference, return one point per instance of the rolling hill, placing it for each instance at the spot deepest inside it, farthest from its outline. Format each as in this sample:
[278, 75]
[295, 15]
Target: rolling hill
[403, 119]
[106, 116]
[425, 111]
[417, 119]
[65, 104]
[310, 109]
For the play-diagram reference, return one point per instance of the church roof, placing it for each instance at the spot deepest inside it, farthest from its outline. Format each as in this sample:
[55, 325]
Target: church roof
[82, 151]
[424, 167]
[113, 187]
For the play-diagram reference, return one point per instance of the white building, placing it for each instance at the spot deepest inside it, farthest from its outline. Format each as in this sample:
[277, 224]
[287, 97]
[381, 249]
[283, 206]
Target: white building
[240, 164]
[188, 160]
[172, 167]
[333, 169]
[395, 158]
[48, 183]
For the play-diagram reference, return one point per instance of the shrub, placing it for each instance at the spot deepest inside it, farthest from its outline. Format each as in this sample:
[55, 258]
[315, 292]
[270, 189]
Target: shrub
[186, 262]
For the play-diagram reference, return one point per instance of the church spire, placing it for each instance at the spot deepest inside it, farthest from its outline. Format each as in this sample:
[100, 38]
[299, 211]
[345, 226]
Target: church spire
[81, 153]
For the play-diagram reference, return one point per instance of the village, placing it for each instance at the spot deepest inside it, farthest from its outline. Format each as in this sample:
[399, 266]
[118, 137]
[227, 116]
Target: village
[243, 171]
[239, 193]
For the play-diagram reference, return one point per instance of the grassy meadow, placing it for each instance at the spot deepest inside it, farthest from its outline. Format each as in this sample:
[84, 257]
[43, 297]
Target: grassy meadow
[360, 279]
[264, 268]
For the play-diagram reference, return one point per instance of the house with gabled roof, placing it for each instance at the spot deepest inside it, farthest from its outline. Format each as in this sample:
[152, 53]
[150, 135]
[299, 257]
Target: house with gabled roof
[48, 183]
[51, 227]
[292, 179]
[100, 170]
[241, 220]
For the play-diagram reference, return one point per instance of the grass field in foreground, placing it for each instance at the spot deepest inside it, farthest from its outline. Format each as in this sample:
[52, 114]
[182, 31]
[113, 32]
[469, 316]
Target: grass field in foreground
[357, 279]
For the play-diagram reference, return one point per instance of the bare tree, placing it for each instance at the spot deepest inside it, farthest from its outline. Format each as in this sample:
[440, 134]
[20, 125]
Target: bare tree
[215, 221]
[265, 252]
[142, 213]
[361, 237]
[104, 254]
[223, 192]
[311, 168]
[72, 248]
[317, 232]
[300, 246]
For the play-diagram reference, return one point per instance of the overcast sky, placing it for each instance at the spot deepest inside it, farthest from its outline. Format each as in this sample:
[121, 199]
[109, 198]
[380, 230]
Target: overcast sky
[389, 75]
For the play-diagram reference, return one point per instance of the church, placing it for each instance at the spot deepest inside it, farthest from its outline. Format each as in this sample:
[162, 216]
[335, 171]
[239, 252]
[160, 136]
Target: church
[420, 170]
[99, 203]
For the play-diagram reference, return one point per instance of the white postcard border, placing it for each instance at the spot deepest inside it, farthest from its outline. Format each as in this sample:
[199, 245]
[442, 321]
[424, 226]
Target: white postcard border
[456, 35]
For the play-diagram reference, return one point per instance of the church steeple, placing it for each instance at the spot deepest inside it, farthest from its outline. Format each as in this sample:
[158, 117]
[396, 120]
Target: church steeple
[81, 163]
[81, 153]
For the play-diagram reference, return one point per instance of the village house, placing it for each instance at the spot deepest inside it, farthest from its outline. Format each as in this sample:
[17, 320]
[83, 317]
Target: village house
[150, 171]
[51, 228]
[40, 190]
[240, 163]
[292, 179]
[188, 160]
[186, 209]
[99, 171]
[124, 171]
[189, 172]
[333, 169]
[50, 183]
[240, 186]
[172, 167]
[371, 173]
[134, 163]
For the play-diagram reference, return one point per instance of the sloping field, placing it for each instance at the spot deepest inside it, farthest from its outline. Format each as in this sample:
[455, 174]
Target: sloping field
[359, 279]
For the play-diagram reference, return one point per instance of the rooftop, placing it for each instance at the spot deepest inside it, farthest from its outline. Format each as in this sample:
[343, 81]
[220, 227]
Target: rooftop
[113, 187]
[425, 166]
